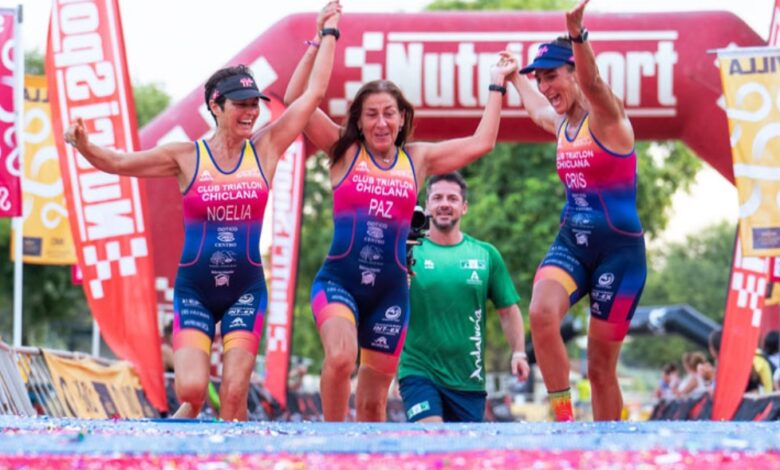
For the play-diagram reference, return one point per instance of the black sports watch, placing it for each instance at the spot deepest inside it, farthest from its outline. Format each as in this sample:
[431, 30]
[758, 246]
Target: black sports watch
[582, 37]
[499, 88]
[330, 31]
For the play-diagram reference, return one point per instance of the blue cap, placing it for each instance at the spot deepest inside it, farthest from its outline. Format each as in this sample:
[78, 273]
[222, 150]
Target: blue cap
[238, 87]
[549, 56]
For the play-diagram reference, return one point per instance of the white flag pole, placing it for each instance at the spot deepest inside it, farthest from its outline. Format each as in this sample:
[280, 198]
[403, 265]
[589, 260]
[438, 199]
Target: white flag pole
[19, 131]
[95, 339]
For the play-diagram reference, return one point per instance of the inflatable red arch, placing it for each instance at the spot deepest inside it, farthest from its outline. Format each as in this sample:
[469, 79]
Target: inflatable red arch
[658, 63]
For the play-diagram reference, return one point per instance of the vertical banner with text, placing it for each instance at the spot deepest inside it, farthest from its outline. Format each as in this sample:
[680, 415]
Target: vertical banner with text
[774, 27]
[741, 327]
[47, 236]
[751, 87]
[287, 194]
[771, 320]
[10, 171]
[88, 79]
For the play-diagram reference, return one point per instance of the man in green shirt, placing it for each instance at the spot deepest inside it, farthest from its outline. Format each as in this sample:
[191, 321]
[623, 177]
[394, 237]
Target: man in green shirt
[442, 368]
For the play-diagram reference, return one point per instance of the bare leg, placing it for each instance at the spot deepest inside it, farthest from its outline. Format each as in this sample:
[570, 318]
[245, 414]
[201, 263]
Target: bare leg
[549, 304]
[233, 393]
[339, 340]
[431, 419]
[191, 371]
[371, 394]
[602, 372]
[186, 411]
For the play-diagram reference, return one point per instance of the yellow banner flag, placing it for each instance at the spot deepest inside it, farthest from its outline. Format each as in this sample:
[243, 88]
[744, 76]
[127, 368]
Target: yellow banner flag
[47, 236]
[92, 390]
[751, 88]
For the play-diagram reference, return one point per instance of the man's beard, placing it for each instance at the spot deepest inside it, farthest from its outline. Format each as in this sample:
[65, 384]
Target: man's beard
[445, 227]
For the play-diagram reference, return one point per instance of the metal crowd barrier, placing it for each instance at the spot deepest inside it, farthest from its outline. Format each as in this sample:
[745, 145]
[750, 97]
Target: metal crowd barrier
[27, 386]
[753, 407]
[13, 395]
[40, 383]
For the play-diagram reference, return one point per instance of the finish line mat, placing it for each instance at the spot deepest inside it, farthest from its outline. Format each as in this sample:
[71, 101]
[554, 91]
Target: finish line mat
[179, 444]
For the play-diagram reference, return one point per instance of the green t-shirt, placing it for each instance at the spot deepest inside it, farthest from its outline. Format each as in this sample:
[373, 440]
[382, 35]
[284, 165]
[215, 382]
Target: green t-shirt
[446, 337]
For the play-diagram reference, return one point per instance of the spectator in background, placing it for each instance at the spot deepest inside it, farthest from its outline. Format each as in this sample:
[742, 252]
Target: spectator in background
[298, 371]
[772, 352]
[772, 348]
[693, 384]
[706, 370]
[167, 347]
[670, 379]
[760, 380]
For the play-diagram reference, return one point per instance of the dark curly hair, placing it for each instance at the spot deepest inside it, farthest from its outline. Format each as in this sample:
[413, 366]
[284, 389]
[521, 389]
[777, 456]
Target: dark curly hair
[217, 77]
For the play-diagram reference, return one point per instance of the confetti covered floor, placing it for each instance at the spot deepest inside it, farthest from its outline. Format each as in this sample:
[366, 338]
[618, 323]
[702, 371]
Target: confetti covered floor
[71, 444]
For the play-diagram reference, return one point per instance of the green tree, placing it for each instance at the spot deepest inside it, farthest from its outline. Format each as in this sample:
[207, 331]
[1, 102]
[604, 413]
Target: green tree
[150, 100]
[34, 62]
[316, 232]
[695, 272]
[55, 310]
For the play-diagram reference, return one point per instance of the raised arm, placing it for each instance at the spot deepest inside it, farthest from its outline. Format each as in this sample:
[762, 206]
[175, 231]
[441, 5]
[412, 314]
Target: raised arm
[275, 139]
[512, 326]
[451, 155]
[608, 119]
[159, 161]
[539, 109]
[321, 130]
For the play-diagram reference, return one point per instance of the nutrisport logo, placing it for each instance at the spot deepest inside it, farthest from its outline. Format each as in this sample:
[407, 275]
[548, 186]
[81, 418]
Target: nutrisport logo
[446, 74]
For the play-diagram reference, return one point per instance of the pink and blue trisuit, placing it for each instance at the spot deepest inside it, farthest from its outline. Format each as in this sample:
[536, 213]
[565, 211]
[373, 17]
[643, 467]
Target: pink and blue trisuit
[600, 248]
[364, 277]
[220, 275]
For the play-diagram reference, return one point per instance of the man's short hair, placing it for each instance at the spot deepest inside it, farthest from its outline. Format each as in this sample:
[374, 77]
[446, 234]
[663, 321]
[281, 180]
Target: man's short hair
[715, 339]
[453, 177]
[772, 342]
